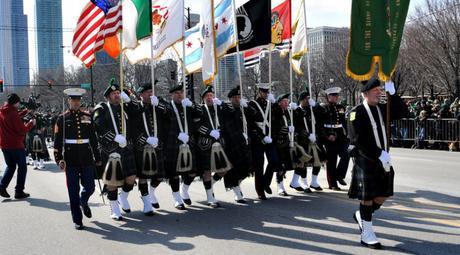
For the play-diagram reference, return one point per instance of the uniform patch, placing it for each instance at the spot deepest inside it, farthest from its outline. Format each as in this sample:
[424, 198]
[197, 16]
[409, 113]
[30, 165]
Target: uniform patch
[352, 116]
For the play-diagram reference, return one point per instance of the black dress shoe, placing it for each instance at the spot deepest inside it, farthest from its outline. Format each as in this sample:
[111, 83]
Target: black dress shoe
[187, 201]
[126, 210]
[307, 190]
[262, 197]
[21, 195]
[335, 188]
[375, 246]
[342, 182]
[4, 193]
[283, 194]
[79, 226]
[180, 207]
[268, 190]
[156, 205]
[316, 188]
[117, 218]
[214, 205]
[87, 211]
[241, 201]
[151, 213]
[297, 188]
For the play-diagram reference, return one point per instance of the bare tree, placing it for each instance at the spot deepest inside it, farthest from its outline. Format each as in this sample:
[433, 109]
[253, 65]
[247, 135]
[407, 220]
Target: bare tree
[433, 39]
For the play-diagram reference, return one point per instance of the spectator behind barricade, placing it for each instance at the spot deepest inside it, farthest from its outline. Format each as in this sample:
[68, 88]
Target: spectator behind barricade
[455, 107]
[12, 134]
[421, 121]
[444, 109]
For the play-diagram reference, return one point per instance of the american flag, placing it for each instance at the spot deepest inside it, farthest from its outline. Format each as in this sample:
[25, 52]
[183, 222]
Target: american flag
[251, 57]
[99, 19]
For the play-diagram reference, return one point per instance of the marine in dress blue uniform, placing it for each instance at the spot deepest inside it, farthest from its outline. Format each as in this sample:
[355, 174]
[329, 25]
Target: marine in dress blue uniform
[76, 153]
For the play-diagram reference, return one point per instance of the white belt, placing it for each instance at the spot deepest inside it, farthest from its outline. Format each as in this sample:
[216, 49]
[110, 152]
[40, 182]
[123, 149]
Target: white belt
[76, 141]
[333, 126]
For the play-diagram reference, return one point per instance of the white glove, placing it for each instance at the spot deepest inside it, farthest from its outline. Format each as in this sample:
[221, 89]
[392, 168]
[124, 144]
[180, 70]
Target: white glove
[271, 98]
[386, 160]
[216, 101]
[121, 140]
[267, 140]
[390, 87]
[311, 102]
[293, 106]
[125, 97]
[154, 100]
[291, 129]
[186, 102]
[152, 140]
[244, 102]
[183, 137]
[215, 134]
[312, 138]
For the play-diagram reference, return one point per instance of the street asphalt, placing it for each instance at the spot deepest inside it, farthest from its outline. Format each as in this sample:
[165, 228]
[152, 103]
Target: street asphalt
[422, 218]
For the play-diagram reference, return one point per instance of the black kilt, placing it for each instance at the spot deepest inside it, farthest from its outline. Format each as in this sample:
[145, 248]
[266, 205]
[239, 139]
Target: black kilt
[240, 155]
[284, 155]
[171, 153]
[127, 160]
[160, 162]
[203, 154]
[369, 180]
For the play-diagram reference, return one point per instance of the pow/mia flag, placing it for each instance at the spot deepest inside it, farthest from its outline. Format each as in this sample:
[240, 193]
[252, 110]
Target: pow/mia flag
[254, 24]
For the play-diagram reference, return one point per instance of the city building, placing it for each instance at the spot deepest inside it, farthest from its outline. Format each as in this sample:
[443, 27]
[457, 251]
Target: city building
[14, 51]
[48, 19]
[323, 39]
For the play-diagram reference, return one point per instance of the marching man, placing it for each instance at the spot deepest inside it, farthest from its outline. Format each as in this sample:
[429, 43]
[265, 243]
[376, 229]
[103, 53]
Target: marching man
[76, 153]
[372, 177]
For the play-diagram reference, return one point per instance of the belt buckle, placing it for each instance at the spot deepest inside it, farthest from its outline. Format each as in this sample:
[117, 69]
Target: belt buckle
[79, 141]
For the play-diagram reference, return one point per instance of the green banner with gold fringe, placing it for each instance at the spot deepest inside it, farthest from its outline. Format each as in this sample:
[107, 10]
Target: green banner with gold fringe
[375, 36]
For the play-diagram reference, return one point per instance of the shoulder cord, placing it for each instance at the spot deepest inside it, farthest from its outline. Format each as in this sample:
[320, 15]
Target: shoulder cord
[179, 122]
[155, 128]
[113, 121]
[374, 126]
[216, 119]
[265, 115]
[290, 135]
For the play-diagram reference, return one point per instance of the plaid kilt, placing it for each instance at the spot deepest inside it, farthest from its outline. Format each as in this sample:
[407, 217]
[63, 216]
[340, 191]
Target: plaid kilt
[369, 180]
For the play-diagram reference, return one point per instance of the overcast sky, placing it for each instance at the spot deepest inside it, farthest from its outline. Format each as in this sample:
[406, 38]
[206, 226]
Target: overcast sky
[334, 13]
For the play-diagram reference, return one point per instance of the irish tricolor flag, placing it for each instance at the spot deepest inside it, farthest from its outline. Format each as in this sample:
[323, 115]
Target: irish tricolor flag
[137, 22]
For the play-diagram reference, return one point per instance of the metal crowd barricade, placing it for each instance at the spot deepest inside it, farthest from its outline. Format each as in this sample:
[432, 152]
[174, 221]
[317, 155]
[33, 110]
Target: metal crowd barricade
[432, 130]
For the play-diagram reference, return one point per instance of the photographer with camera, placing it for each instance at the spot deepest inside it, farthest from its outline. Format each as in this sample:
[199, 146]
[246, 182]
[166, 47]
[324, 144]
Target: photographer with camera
[12, 134]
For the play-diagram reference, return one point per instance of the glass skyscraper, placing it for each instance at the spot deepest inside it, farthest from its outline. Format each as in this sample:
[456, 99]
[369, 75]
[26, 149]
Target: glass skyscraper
[14, 51]
[48, 19]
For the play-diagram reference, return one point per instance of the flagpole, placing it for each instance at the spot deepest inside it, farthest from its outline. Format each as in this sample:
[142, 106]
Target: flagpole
[152, 71]
[183, 72]
[313, 120]
[238, 61]
[291, 137]
[269, 105]
[122, 85]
